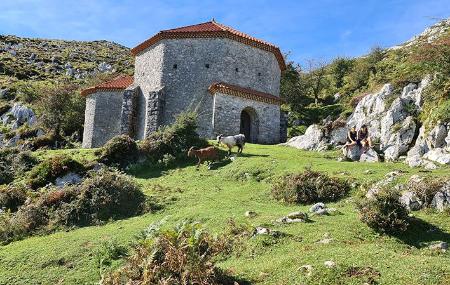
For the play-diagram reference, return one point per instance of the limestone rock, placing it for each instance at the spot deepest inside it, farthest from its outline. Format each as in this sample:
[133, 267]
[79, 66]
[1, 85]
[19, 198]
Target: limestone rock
[438, 155]
[68, 179]
[437, 136]
[414, 161]
[338, 136]
[440, 245]
[441, 199]
[353, 152]
[309, 141]
[369, 156]
[329, 264]
[295, 217]
[397, 143]
[411, 201]
[250, 214]
[428, 165]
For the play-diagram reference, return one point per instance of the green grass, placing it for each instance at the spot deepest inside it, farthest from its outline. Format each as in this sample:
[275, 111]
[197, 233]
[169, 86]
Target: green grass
[215, 196]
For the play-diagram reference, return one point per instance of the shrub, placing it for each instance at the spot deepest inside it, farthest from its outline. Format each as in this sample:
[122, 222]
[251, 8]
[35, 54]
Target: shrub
[52, 168]
[384, 213]
[120, 150]
[426, 189]
[103, 196]
[48, 140]
[173, 140]
[12, 197]
[14, 163]
[296, 131]
[182, 255]
[309, 187]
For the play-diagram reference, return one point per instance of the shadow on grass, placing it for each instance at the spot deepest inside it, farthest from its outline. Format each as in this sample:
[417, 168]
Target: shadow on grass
[421, 233]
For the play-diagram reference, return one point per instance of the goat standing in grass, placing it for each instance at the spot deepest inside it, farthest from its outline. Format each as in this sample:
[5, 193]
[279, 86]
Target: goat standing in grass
[231, 141]
[204, 154]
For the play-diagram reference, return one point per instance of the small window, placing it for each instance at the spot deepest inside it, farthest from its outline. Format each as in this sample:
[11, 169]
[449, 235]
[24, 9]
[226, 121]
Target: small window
[207, 65]
[237, 69]
[175, 66]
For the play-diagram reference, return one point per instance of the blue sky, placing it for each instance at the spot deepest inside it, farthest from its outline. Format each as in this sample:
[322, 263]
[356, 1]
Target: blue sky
[321, 29]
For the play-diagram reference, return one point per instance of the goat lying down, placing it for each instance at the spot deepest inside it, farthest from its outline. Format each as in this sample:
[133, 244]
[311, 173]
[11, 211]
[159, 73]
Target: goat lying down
[204, 154]
[231, 141]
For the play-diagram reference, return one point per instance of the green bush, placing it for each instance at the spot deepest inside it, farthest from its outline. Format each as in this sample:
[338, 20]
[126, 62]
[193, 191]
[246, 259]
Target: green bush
[309, 187]
[14, 163]
[120, 150]
[174, 140]
[105, 195]
[384, 213]
[47, 171]
[12, 197]
[185, 254]
[48, 140]
[296, 131]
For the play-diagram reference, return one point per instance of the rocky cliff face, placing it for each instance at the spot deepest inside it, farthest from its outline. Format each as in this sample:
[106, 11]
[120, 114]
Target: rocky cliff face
[393, 124]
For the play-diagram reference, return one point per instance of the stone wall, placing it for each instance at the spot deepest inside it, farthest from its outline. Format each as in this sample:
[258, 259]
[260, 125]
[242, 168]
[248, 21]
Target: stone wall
[128, 114]
[102, 118]
[148, 76]
[185, 68]
[227, 117]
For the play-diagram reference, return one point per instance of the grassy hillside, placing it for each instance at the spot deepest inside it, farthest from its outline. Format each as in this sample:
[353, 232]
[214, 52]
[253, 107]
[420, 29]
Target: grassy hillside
[25, 59]
[333, 89]
[213, 197]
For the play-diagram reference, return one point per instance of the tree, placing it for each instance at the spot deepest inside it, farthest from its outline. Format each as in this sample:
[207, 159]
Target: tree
[316, 80]
[340, 67]
[293, 87]
[61, 108]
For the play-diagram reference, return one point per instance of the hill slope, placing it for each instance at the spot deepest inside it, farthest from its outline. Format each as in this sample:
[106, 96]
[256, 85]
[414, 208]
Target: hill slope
[30, 60]
[216, 196]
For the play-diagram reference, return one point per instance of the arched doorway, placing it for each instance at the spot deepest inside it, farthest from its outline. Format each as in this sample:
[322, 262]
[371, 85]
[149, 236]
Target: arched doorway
[249, 125]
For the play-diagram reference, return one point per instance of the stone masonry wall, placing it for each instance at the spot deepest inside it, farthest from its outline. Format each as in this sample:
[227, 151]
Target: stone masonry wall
[185, 68]
[148, 76]
[227, 117]
[128, 114]
[102, 118]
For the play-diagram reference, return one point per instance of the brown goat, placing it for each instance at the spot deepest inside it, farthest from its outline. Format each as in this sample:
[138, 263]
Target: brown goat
[203, 154]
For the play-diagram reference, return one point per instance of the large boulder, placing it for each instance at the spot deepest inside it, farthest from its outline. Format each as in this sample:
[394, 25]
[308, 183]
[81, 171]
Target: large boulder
[437, 136]
[338, 136]
[369, 156]
[310, 140]
[19, 115]
[352, 153]
[410, 200]
[438, 155]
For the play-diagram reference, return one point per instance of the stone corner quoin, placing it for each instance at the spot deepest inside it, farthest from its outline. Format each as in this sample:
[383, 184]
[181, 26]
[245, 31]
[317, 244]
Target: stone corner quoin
[231, 80]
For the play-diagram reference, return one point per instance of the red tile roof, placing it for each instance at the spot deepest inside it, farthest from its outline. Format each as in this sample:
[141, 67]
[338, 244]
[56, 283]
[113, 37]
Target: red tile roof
[234, 90]
[211, 29]
[121, 82]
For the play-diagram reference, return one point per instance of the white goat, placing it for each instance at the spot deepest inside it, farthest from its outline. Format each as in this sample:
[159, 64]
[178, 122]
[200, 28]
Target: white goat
[231, 141]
